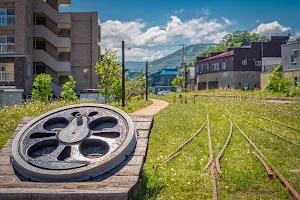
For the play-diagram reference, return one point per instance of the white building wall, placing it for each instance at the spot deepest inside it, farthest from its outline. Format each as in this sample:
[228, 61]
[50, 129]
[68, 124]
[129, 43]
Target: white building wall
[270, 61]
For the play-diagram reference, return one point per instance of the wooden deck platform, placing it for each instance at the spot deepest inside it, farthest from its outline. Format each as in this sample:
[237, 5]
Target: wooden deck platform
[123, 182]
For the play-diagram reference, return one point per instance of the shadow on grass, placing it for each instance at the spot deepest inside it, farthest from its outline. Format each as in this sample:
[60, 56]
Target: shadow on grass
[151, 184]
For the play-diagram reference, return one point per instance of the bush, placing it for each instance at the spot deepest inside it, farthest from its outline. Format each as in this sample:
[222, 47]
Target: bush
[295, 91]
[42, 90]
[69, 90]
[277, 83]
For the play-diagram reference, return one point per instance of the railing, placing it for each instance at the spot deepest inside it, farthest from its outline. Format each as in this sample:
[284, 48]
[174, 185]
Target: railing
[7, 48]
[269, 68]
[7, 20]
[7, 76]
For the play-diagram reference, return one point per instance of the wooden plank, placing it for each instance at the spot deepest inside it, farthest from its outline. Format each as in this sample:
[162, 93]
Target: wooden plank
[111, 179]
[143, 125]
[136, 161]
[137, 118]
[142, 142]
[67, 194]
[6, 170]
[11, 178]
[26, 120]
[4, 160]
[129, 171]
[143, 134]
[74, 185]
[139, 151]
[6, 151]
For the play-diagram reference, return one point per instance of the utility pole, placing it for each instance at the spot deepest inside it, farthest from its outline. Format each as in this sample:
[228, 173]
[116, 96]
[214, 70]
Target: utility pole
[147, 81]
[185, 68]
[123, 74]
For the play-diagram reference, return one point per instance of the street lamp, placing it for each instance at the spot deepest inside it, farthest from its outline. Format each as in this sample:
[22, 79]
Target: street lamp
[86, 71]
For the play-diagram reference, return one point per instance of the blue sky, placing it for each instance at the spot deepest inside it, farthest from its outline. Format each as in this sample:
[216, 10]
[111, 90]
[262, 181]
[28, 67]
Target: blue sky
[170, 22]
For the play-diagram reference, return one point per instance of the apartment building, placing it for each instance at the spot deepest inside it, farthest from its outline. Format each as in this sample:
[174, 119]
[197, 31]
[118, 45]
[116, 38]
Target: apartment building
[291, 61]
[238, 68]
[35, 38]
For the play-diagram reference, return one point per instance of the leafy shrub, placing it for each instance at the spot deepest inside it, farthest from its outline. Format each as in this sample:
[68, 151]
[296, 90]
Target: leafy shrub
[42, 90]
[69, 90]
[277, 83]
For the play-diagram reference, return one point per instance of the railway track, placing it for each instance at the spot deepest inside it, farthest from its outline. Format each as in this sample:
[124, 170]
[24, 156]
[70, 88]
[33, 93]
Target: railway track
[214, 164]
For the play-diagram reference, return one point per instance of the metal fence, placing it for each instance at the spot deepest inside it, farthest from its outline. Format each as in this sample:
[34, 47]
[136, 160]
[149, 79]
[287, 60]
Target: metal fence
[7, 76]
[7, 48]
[8, 20]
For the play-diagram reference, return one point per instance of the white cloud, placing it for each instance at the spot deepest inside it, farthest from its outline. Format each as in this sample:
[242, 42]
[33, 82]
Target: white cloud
[259, 21]
[140, 54]
[271, 29]
[298, 34]
[227, 21]
[136, 34]
[182, 10]
[205, 11]
[217, 37]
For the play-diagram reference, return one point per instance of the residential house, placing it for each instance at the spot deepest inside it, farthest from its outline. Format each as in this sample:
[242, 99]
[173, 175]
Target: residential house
[36, 38]
[162, 80]
[238, 68]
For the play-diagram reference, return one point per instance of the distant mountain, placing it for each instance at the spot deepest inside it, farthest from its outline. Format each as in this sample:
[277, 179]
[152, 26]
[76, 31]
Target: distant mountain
[172, 60]
[135, 66]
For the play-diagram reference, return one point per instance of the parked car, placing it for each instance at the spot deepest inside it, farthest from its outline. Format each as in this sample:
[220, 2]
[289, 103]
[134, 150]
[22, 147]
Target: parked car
[164, 92]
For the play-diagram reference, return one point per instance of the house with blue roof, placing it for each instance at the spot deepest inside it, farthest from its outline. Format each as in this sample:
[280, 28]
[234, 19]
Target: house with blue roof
[162, 80]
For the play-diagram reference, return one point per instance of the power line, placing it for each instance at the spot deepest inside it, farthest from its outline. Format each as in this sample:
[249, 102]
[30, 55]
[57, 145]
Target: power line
[158, 46]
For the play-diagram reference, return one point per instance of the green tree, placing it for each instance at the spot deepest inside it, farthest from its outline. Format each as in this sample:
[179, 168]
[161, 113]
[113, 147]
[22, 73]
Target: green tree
[41, 87]
[235, 40]
[178, 82]
[69, 90]
[135, 87]
[277, 83]
[109, 71]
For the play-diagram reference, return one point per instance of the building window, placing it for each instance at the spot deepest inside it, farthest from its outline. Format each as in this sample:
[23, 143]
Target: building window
[258, 63]
[207, 66]
[215, 66]
[7, 17]
[224, 65]
[293, 60]
[39, 69]
[202, 67]
[244, 62]
[296, 81]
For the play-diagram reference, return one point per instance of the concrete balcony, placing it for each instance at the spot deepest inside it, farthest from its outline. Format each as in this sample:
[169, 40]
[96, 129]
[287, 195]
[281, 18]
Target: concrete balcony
[64, 2]
[63, 44]
[62, 19]
[63, 68]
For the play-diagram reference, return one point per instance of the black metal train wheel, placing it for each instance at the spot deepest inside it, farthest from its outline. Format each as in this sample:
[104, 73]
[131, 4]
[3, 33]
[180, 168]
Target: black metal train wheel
[73, 143]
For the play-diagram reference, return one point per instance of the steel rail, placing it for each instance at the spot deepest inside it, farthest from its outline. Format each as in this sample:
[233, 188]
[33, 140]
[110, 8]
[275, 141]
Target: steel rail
[220, 155]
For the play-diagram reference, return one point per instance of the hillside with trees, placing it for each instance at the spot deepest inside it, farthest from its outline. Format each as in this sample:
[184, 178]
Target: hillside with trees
[235, 40]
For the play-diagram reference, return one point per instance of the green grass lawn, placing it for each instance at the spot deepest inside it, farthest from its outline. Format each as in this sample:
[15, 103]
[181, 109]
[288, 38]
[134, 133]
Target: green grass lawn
[11, 115]
[184, 177]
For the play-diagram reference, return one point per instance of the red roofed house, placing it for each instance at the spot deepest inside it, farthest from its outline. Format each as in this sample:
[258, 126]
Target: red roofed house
[238, 68]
